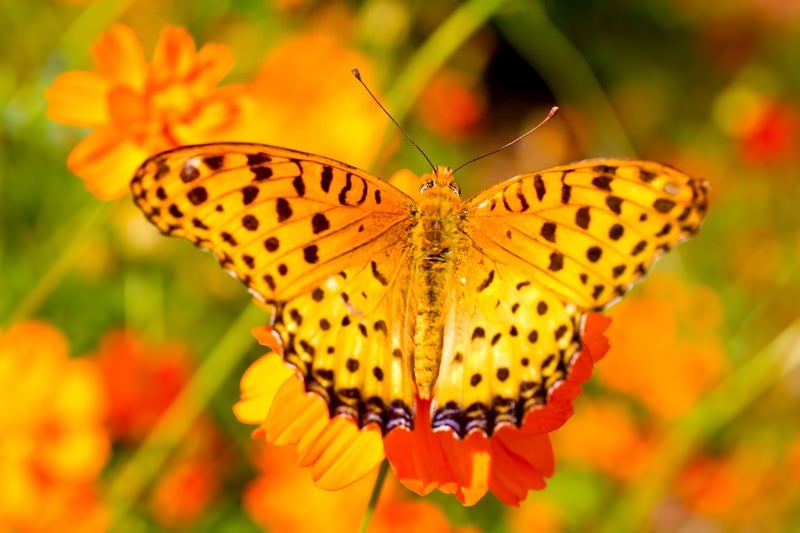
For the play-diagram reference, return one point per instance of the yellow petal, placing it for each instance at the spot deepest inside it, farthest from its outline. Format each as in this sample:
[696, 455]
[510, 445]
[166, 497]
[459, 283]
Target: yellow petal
[350, 455]
[260, 384]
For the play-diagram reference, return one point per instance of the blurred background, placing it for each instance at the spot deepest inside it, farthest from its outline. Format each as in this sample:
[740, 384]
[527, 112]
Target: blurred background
[689, 423]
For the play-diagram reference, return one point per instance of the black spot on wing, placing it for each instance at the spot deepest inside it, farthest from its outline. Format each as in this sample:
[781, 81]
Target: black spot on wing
[284, 209]
[538, 186]
[319, 223]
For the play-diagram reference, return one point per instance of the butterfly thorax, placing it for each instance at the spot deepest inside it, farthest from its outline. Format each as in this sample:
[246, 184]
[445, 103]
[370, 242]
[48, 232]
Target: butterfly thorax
[435, 239]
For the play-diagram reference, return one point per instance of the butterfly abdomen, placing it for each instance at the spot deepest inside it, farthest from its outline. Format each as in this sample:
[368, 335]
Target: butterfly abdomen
[435, 242]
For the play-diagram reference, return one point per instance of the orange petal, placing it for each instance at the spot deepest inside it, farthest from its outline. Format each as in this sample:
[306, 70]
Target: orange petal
[267, 336]
[424, 460]
[106, 162]
[593, 335]
[127, 110]
[78, 99]
[336, 450]
[212, 63]
[469, 461]
[119, 57]
[520, 462]
[173, 56]
[416, 457]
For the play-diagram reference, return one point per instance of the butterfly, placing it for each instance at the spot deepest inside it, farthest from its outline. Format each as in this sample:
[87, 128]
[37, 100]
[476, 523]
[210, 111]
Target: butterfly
[379, 297]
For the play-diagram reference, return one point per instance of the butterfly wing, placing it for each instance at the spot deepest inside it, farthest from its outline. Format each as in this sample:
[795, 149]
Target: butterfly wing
[545, 248]
[279, 220]
[352, 339]
[587, 231]
[319, 240]
[509, 341]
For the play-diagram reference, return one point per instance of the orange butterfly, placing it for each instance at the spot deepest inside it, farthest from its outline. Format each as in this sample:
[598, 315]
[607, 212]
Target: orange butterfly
[379, 298]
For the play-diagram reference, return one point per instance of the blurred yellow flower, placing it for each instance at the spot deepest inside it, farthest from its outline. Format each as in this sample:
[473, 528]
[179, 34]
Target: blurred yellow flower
[138, 108]
[52, 441]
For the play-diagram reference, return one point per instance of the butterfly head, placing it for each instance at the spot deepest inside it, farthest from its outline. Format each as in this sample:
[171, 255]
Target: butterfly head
[439, 183]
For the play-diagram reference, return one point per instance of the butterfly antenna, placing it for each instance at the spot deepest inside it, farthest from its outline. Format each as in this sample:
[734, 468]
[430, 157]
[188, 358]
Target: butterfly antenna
[357, 76]
[551, 114]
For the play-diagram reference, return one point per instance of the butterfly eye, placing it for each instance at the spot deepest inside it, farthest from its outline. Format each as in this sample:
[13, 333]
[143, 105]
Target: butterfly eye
[426, 186]
[455, 188]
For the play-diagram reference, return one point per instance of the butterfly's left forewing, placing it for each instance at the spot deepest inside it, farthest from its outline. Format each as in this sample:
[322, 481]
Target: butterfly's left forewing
[278, 219]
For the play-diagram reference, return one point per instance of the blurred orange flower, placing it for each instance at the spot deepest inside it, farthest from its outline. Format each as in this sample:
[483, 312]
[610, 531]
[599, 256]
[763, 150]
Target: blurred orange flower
[312, 101]
[604, 436]
[539, 515]
[450, 107]
[52, 441]
[731, 489]
[272, 499]
[141, 381]
[772, 135]
[510, 463]
[138, 108]
[665, 347]
[189, 484]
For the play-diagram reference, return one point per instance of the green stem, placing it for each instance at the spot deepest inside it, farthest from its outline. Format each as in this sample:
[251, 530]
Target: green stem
[129, 481]
[430, 57]
[719, 408]
[69, 241]
[568, 75]
[376, 494]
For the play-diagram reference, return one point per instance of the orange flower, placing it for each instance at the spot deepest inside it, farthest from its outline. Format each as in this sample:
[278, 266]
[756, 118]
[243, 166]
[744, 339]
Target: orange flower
[138, 109]
[313, 103]
[510, 463]
[52, 441]
[539, 515]
[450, 107]
[735, 489]
[665, 348]
[272, 499]
[189, 484]
[140, 380]
[771, 135]
[272, 502]
[604, 435]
